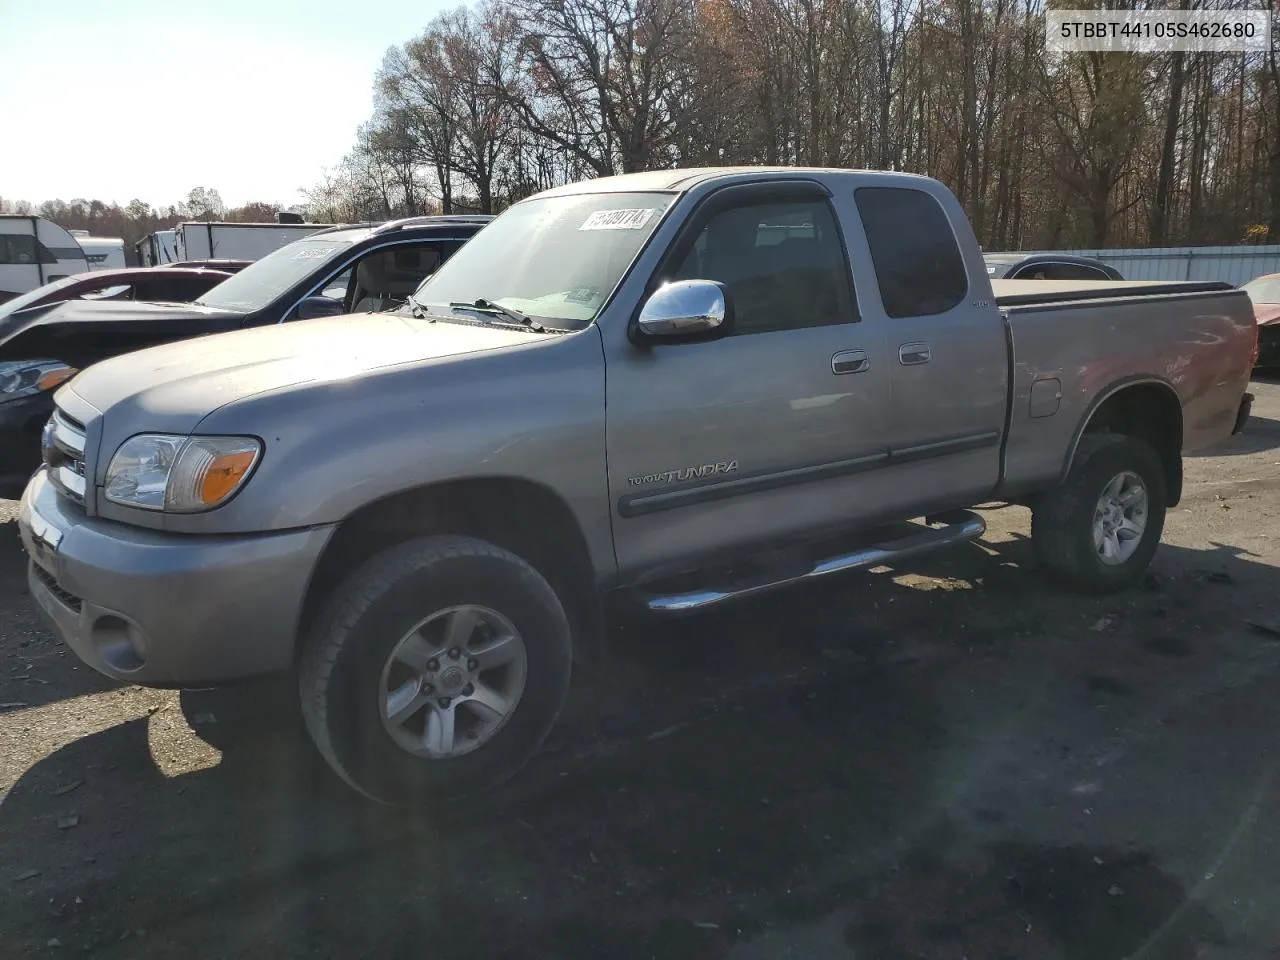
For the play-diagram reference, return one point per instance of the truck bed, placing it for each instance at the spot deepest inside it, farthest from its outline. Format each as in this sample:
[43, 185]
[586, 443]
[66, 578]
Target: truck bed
[1073, 341]
[1018, 293]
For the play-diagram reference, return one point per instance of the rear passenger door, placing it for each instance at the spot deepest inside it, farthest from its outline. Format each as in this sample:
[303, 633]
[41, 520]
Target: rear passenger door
[946, 347]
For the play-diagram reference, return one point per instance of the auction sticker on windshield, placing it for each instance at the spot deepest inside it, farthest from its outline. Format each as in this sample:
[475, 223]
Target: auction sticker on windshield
[617, 219]
[313, 253]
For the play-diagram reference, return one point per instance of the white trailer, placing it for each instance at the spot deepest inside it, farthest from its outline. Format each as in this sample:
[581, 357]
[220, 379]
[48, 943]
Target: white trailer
[35, 251]
[101, 253]
[157, 248]
[238, 241]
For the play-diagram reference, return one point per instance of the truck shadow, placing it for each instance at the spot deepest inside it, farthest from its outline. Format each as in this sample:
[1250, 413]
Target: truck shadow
[29, 645]
[793, 764]
[1259, 434]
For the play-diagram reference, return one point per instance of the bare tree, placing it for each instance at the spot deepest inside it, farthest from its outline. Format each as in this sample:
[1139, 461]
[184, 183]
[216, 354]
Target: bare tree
[494, 102]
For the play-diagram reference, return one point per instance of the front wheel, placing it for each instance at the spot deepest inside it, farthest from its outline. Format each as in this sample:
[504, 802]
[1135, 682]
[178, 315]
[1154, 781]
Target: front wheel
[436, 670]
[1099, 530]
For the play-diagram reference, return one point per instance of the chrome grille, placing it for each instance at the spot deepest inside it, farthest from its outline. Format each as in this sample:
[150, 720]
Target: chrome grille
[62, 446]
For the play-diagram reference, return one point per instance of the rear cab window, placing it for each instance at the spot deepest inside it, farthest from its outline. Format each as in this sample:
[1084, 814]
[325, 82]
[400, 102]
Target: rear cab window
[919, 268]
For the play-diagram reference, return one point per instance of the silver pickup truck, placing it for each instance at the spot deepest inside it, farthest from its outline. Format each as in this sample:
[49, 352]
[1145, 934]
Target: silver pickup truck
[687, 386]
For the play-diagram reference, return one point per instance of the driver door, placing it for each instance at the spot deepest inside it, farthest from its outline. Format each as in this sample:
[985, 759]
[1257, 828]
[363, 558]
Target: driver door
[771, 430]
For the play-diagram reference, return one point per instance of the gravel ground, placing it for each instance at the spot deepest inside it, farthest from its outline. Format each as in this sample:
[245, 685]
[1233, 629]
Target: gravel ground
[949, 759]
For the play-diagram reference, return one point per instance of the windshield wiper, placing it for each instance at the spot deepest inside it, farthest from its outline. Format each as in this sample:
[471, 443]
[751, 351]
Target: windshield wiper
[482, 305]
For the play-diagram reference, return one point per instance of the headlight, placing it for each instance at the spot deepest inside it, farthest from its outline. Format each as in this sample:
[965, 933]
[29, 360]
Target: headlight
[21, 378]
[158, 471]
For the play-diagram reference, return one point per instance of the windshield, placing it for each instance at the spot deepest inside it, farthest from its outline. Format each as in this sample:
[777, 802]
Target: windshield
[558, 258]
[261, 282]
[10, 307]
[1263, 289]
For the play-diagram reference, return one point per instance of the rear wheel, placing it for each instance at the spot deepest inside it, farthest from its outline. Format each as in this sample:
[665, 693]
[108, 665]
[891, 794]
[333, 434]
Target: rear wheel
[1098, 531]
[436, 670]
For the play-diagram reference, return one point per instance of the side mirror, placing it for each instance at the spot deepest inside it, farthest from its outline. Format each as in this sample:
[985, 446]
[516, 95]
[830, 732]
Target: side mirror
[684, 308]
[315, 307]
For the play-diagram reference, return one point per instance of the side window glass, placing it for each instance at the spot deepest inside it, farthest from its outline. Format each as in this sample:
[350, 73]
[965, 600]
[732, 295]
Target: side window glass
[336, 289]
[385, 278]
[783, 264]
[168, 290]
[917, 260]
[117, 291]
[18, 249]
[1074, 271]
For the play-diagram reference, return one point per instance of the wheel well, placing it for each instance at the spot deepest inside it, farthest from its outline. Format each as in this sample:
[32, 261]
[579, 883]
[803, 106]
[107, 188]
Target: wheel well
[1151, 412]
[518, 515]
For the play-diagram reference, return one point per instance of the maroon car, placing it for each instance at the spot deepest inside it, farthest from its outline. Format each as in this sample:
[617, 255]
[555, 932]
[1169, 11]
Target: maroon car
[1264, 291]
[132, 283]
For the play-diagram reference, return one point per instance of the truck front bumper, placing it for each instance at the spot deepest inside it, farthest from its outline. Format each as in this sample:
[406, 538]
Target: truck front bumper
[164, 609]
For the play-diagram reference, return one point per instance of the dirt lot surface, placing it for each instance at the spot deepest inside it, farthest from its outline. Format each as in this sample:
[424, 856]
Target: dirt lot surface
[950, 759]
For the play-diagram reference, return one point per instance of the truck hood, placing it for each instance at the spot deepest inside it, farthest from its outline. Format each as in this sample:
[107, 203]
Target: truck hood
[170, 388]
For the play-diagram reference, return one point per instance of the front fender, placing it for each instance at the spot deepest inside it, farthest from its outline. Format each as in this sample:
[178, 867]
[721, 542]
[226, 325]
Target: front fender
[333, 448]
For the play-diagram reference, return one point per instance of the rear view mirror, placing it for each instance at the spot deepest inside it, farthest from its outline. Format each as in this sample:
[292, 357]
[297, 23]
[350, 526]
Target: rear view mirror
[315, 307]
[684, 308]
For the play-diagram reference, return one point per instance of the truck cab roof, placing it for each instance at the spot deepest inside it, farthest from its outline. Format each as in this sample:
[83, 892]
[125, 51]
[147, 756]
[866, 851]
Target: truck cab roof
[683, 179]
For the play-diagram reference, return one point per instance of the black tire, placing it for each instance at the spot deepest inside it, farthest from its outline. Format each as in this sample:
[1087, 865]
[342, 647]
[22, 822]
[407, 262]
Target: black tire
[340, 670]
[1062, 518]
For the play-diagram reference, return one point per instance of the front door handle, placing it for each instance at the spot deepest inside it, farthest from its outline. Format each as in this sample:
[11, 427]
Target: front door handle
[850, 361]
[909, 354]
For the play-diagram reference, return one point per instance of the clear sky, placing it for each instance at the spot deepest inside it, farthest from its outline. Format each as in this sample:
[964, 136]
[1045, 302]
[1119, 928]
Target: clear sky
[116, 99]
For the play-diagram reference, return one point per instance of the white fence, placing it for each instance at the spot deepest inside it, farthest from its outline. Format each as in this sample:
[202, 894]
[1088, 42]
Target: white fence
[1235, 265]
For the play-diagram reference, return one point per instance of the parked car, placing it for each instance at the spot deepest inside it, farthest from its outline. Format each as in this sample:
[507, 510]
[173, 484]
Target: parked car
[631, 385]
[130, 283]
[1047, 266]
[227, 266]
[1264, 293]
[337, 271]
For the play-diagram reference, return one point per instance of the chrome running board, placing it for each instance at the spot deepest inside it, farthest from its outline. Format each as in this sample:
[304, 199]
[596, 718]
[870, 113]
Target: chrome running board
[958, 527]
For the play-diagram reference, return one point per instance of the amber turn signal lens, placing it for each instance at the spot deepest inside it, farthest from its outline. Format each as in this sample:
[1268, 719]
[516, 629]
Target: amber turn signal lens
[55, 378]
[224, 475]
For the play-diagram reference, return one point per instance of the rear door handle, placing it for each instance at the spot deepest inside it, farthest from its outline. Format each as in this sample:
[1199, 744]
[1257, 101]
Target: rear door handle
[909, 354]
[850, 361]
